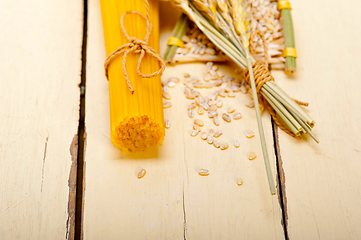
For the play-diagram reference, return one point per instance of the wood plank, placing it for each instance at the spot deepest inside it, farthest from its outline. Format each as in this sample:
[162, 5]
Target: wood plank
[39, 110]
[172, 201]
[323, 180]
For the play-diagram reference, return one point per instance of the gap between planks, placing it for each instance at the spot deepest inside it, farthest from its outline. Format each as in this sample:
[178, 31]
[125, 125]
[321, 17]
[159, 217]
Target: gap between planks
[80, 186]
[184, 207]
[281, 181]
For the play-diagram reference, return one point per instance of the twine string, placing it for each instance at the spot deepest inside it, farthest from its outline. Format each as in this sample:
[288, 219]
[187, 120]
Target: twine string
[261, 76]
[135, 45]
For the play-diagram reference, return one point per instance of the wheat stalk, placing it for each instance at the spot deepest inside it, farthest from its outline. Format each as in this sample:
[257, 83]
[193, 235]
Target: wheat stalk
[241, 26]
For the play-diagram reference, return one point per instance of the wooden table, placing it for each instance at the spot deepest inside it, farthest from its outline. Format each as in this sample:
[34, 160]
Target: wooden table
[47, 52]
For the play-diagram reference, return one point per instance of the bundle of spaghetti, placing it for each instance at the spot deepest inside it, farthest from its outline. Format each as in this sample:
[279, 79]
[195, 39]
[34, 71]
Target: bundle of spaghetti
[136, 118]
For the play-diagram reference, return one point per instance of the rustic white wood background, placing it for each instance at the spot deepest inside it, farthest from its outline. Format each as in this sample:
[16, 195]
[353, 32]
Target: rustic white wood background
[40, 69]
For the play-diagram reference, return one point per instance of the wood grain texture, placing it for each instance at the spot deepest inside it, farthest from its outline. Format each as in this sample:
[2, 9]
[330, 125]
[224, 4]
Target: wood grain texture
[172, 201]
[39, 110]
[323, 180]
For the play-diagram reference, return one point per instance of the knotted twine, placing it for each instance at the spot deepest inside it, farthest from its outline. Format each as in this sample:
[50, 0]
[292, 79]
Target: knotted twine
[261, 76]
[137, 46]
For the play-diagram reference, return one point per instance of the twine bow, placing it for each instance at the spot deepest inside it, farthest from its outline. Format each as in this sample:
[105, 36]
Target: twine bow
[137, 46]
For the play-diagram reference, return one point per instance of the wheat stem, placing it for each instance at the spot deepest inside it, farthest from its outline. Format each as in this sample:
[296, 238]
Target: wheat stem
[260, 126]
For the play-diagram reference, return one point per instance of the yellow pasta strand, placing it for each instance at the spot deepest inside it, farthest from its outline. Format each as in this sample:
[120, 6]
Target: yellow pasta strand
[136, 120]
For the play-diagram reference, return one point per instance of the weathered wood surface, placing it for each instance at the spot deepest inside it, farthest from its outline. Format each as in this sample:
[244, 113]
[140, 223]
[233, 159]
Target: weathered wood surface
[323, 180]
[40, 67]
[39, 110]
[172, 201]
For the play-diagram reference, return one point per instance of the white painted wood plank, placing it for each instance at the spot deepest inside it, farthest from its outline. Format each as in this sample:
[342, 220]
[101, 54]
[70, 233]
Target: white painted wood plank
[172, 201]
[323, 180]
[118, 205]
[215, 206]
[40, 67]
